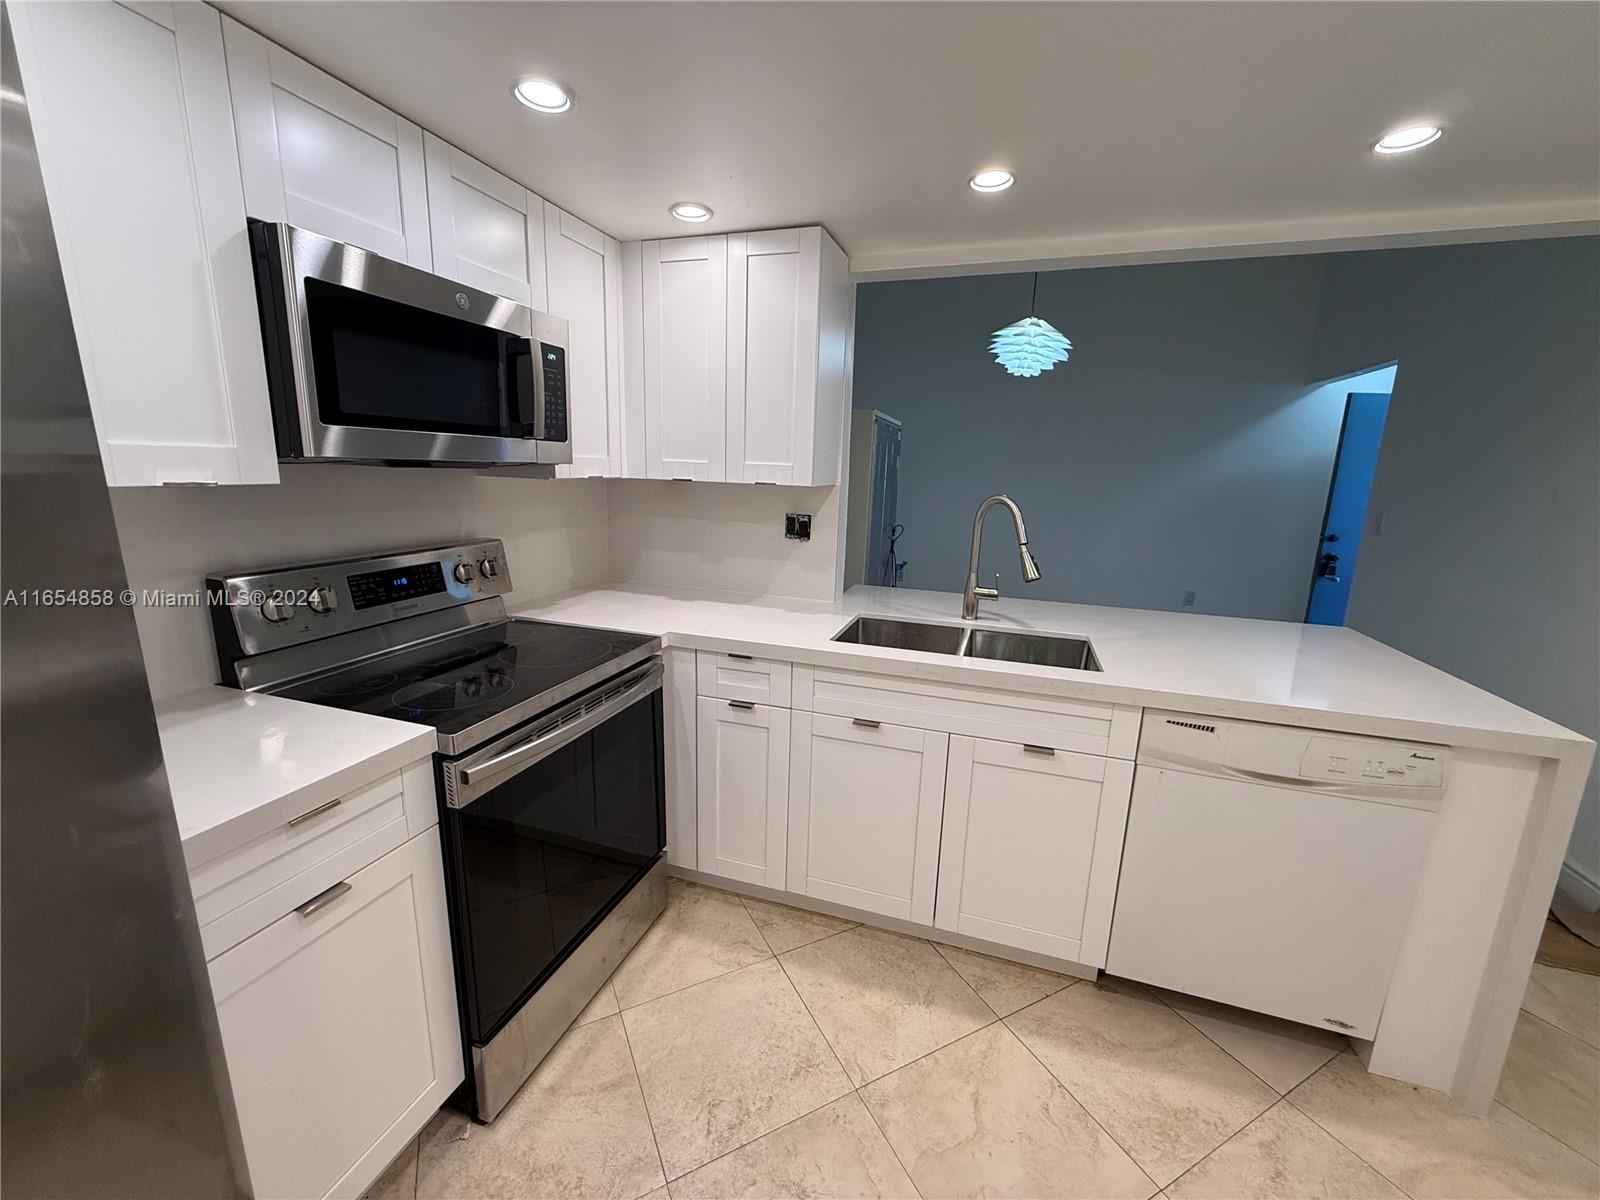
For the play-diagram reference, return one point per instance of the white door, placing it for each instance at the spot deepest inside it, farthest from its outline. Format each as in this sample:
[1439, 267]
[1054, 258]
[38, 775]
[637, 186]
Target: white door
[864, 810]
[685, 286]
[318, 154]
[773, 282]
[1032, 838]
[743, 789]
[136, 144]
[585, 272]
[340, 1021]
[487, 231]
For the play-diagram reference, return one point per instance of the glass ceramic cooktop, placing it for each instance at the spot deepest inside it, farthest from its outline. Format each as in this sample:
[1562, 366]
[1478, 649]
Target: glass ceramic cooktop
[454, 683]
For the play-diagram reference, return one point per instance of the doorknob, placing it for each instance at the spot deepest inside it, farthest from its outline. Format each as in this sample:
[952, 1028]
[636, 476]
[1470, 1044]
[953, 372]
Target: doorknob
[1328, 568]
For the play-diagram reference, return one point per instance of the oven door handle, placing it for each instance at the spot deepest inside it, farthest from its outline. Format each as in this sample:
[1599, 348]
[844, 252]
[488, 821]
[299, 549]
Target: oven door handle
[475, 779]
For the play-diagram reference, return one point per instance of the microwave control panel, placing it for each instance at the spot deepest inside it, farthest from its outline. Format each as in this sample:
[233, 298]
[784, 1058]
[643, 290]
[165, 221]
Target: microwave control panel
[553, 361]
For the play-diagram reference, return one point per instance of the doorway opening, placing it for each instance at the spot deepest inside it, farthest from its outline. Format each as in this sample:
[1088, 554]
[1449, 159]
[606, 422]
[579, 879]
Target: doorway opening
[1344, 518]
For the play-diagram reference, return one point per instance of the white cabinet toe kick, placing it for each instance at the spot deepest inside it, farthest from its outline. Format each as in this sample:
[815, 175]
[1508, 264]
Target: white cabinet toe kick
[997, 821]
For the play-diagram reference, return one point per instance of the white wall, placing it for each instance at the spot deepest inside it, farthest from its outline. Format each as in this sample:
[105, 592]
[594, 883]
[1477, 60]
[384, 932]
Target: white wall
[554, 530]
[1180, 448]
[1488, 487]
[723, 536]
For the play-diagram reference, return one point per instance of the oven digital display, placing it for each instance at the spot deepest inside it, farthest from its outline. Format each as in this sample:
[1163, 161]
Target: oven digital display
[385, 587]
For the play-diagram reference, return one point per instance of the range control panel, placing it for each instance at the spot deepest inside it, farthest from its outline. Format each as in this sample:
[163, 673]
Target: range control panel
[1373, 762]
[271, 610]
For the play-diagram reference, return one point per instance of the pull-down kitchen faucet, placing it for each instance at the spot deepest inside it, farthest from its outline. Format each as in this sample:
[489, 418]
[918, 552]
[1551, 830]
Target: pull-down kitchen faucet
[1030, 569]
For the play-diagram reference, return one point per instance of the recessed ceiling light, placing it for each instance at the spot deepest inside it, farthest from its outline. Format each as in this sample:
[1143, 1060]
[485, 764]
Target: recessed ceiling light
[688, 210]
[1411, 137]
[994, 180]
[543, 95]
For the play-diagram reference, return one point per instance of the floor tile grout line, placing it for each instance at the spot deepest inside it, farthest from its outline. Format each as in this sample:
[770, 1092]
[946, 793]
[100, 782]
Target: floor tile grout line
[1203, 1158]
[1273, 1087]
[638, 1082]
[854, 1087]
[1310, 1117]
[1525, 1116]
[791, 949]
[1076, 1099]
[621, 1008]
[746, 1145]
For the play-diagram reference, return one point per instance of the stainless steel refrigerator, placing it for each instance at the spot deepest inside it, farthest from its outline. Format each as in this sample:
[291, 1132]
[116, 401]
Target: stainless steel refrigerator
[112, 1078]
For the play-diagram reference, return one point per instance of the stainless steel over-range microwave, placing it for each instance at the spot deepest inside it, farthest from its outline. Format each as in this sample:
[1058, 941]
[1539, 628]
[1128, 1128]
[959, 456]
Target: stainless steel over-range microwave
[370, 360]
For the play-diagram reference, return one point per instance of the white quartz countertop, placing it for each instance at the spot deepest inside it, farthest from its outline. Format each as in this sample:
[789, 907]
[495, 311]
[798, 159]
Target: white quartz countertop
[1311, 675]
[240, 763]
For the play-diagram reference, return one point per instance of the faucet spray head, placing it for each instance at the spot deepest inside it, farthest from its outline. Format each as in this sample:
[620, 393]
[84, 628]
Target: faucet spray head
[1030, 569]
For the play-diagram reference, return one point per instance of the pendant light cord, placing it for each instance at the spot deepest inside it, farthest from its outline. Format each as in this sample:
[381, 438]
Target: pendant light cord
[1033, 305]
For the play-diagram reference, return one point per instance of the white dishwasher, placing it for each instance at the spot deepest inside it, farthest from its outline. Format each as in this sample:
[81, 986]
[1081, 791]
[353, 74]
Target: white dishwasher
[1273, 868]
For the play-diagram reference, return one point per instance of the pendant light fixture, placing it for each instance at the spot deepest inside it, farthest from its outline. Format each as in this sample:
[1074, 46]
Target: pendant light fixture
[1029, 346]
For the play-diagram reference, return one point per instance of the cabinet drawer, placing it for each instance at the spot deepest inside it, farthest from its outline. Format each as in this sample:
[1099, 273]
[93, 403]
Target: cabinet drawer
[1086, 726]
[238, 893]
[340, 1027]
[742, 677]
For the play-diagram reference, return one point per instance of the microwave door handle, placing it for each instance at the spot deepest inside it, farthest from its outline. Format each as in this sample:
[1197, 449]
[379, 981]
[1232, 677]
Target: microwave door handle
[525, 396]
[475, 779]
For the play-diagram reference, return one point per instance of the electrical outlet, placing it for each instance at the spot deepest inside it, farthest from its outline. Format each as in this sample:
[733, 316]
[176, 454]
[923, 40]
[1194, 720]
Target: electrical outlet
[797, 526]
[1188, 599]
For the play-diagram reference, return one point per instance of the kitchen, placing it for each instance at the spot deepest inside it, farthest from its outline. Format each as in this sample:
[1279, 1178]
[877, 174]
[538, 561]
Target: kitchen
[559, 790]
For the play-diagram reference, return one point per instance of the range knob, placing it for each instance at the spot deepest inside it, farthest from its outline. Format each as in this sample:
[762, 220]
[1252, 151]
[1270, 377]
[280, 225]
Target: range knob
[463, 572]
[277, 608]
[489, 568]
[323, 600]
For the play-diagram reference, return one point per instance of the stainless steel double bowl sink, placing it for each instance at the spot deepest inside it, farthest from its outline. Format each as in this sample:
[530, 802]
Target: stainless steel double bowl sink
[972, 641]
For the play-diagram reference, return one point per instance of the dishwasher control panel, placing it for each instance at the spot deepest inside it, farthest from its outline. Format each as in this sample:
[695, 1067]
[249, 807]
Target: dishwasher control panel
[1345, 760]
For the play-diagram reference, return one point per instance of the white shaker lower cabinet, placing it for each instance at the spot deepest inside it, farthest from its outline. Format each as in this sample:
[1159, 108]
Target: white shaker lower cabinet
[1031, 847]
[487, 230]
[864, 808]
[136, 144]
[743, 771]
[339, 1023]
[585, 272]
[318, 154]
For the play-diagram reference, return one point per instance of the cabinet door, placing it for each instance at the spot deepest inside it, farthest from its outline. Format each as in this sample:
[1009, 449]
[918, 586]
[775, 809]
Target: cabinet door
[864, 812]
[136, 145]
[773, 281]
[585, 272]
[340, 1027]
[744, 790]
[487, 231]
[685, 303]
[1032, 842]
[318, 154]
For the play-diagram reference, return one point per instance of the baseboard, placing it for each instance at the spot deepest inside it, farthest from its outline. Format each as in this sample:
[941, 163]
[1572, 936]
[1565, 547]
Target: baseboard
[1580, 885]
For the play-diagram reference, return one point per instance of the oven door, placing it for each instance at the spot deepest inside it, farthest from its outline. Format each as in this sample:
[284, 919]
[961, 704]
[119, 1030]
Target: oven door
[545, 830]
[379, 361]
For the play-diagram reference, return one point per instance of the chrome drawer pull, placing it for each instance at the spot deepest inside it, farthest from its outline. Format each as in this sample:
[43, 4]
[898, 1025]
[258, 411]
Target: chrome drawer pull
[861, 723]
[743, 657]
[322, 899]
[315, 812]
[741, 704]
[1032, 749]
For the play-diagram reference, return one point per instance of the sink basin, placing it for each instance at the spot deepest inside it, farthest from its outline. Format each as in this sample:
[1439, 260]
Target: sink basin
[903, 635]
[1040, 649]
[972, 641]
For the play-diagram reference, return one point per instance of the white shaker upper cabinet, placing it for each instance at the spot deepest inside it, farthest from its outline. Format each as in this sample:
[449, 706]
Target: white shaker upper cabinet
[318, 154]
[864, 805]
[136, 143]
[585, 273]
[1032, 841]
[488, 232]
[790, 318]
[685, 308]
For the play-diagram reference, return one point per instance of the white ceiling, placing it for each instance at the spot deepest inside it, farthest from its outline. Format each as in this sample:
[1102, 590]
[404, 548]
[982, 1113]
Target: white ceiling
[1133, 127]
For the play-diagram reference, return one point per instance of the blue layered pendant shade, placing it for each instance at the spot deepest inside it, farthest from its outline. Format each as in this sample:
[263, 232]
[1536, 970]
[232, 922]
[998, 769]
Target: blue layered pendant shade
[1030, 346]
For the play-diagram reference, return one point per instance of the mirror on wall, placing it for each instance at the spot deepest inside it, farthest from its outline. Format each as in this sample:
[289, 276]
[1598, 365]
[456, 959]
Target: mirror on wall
[1217, 440]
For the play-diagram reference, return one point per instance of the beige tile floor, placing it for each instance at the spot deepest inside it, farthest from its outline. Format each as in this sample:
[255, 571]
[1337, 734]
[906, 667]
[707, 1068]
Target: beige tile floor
[750, 1049]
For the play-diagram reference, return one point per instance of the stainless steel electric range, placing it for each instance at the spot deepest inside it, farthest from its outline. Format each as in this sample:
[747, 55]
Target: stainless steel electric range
[549, 766]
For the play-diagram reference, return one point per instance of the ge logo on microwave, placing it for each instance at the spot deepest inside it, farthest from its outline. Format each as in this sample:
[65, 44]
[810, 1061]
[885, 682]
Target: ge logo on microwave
[461, 300]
